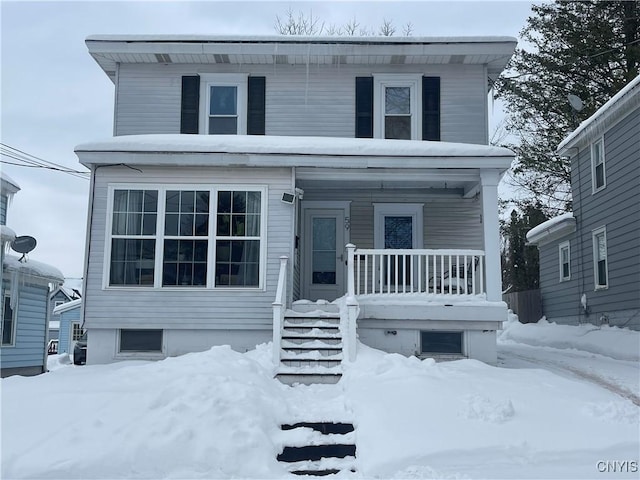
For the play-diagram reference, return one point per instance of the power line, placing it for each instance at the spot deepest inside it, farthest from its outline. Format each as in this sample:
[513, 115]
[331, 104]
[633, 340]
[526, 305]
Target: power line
[31, 161]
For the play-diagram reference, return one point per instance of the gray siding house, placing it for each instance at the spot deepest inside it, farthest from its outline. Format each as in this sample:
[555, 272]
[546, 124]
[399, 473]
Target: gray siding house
[590, 259]
[24, 291]
[298, 190]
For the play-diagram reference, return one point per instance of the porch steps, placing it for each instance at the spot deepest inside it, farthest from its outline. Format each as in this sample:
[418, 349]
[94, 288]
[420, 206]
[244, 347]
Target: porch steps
[311, 346]
[318, 448]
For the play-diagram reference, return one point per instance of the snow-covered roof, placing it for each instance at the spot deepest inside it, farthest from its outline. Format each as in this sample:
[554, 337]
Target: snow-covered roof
[552, 229]
[33, 268]
[108, 50]
[9, 185]
[6, 234]
[67, 306]
[616, 108]
[301, 151]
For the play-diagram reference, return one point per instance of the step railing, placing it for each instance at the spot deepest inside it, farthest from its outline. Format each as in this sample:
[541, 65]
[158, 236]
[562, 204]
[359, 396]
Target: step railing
[435, 271]
[279, 309]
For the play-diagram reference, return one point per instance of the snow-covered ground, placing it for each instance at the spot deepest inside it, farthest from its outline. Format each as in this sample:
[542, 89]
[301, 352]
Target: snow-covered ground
[216, 414]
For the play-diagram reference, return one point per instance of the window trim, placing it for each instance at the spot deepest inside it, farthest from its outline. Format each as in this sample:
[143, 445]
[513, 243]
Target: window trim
[151, 354]
[239, 80]
[160, 237]
[14, 323]
[444, 354]
[594, 234]
[413, 210]
[414, 82]
[564, 245]
[599, 146]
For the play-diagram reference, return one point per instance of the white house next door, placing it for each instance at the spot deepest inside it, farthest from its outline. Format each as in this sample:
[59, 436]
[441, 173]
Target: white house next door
[323, 253]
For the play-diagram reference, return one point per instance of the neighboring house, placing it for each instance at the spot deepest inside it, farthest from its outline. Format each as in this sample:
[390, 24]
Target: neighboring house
[70, 325]
[242, 167]
[59, 296]
[25, 291]
[590, 259]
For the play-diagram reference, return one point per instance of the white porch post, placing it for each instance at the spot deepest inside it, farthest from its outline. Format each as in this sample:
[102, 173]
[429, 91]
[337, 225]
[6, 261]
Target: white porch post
[491, 233]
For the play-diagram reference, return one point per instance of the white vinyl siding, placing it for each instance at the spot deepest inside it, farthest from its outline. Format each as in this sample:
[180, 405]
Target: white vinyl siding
[189, 308]
[314, 101]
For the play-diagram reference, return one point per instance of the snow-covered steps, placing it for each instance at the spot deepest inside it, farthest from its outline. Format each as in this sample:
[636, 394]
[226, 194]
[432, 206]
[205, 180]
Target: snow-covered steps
[318, 448]
[311, 347]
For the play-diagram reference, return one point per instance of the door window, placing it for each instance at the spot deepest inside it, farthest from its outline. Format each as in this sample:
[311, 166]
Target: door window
[324, 251]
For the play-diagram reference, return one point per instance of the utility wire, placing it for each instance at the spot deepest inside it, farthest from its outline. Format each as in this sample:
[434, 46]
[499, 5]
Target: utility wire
[28, 160]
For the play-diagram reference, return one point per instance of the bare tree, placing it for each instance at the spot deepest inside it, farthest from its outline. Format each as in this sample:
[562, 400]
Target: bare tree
[299, 25]
[386, 29]
[407, 29]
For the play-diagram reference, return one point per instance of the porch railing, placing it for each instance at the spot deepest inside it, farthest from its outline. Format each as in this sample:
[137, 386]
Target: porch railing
[279, 308]
[446, 272]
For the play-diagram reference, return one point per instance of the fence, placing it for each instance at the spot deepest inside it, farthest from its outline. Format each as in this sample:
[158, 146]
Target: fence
[527, 305]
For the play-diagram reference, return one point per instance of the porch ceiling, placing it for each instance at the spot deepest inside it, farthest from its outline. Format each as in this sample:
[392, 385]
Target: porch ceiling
[448, 181]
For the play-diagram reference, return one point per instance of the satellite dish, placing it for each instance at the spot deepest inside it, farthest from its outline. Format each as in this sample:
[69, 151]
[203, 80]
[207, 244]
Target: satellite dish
[23, 244]
[575, 102]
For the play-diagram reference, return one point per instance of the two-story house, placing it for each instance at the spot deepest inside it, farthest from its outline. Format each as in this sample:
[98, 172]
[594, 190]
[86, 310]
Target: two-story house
[24, 291]
[251, 178]
[590, 258]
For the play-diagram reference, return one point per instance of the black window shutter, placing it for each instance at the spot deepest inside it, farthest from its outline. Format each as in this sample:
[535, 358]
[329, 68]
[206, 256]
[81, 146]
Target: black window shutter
[364, 107]
[189, 114]
[256, 106]
[431, 108]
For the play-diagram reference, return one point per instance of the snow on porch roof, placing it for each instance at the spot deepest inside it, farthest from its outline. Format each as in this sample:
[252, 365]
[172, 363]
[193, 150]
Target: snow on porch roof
[280, 151]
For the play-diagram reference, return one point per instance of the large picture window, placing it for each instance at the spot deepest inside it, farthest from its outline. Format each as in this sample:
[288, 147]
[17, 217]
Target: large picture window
[186, 237]
[224, 104]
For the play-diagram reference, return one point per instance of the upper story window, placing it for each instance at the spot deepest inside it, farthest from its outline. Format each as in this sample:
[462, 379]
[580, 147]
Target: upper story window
[56, 305]
[598, 178]
[223, 109]
[600, 269]
[565, 261]
[396, 102]
[199, 237]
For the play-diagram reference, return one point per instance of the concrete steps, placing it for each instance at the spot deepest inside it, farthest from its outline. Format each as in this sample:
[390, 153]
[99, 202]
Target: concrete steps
[311, 346]
[318, 448]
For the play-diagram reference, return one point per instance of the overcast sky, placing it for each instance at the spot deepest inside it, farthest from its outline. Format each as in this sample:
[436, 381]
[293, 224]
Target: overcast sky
[54, 96]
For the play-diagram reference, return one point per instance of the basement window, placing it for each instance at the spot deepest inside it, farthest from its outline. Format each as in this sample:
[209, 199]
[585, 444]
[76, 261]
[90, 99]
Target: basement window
[441, 342]
[140, 340]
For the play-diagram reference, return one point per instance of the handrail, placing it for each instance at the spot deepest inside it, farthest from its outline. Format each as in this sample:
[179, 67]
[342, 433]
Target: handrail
[438, 271]
[279, 308]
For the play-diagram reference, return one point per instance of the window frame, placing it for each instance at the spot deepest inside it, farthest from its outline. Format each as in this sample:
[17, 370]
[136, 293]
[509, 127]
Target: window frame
[140, 353]
[380, 83]
[239, 80]
[211, 236]
[564, 246]
[74, 328]
[598, 146]
[601, 231]
[432, 353]
[14, 323]
[56, 304]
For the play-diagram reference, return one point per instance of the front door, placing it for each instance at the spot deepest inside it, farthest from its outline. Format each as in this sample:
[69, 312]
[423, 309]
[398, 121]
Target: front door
[324, 255]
